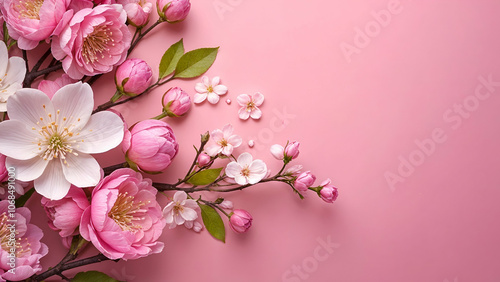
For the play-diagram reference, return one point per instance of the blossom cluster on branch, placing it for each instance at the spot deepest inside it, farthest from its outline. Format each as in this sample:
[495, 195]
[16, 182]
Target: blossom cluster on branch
[49, 134]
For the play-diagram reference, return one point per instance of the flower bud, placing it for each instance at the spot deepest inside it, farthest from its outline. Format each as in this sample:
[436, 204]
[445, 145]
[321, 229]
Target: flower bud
[138, 15]
[278, 151]
[228, 205]
[176, 102]
[328, 192]
[150, 146]
[133, 77]
[240, 221]
[304, 181]
[292, 150]
[203, 159]
[173, 10]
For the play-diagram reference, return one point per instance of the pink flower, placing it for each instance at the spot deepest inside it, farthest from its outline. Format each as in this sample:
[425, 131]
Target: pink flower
[173, 10]
[290, 152]
[181, 210]
[304, 181]
[31, 21]
[246, 170]
[65, 214]
[293, 171]
[50, 87]
[124, 220]
[240, 221]
[223, 141]
[29, 249]
[249, 105]
[137, 11]
[93, 41]
[328, 192]
[209, 90]
[203, 160]
[133, 77]
[150, 145]
[176, 102]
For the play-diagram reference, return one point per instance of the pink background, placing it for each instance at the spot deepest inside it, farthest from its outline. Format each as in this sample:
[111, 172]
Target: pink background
[356, 117]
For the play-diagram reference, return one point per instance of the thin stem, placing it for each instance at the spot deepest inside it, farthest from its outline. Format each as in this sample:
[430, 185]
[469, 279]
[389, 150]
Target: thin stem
[209, 187]
[108, 170]
[41, 60]
[31, 76]
[141, 35]
[213, 205]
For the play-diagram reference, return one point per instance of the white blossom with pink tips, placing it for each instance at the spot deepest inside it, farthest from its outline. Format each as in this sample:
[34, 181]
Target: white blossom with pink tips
[246, 170]
[249, 105]
[209, 90]
[223, 141]
[181, 210]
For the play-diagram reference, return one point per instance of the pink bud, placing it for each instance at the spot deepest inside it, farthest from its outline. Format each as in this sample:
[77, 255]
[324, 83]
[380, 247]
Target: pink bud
[203, 159]
[150, 145]
[173, 10]
[138, 15]
[328, 193]
[278, 151]
[197, 227]
[240, 221]
[304, 181]
[176, 102]
[292, 150]
[228, 205]
[133, 77]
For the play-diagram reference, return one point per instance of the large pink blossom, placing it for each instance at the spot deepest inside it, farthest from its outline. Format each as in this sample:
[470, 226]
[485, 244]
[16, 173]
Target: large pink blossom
[94, 41]
[31, 21]
[28, 248]
[124, 220]
[65, 214]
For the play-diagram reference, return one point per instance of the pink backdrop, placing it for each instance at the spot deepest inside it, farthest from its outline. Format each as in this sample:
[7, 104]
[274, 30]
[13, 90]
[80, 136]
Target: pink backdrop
[396, 101]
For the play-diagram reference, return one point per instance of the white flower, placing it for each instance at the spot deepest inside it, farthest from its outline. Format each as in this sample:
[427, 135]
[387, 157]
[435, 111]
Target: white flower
[246, 171]
[249, 105]
[51, 141]
[12, 72]
[223, 141]
[181, 210]
[209, 90]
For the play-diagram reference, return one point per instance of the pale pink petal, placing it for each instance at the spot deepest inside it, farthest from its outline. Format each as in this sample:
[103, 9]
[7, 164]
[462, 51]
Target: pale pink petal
[82, 170]
[103, 132]
[256, 113]
[18, 141]
[205, 81]
[180, 196]
[27, 106]
[215, 81]
[240, 179]
[27, 170]
[192, 204]
[200, 88]
[227, 150]
[245, 159]
[220, 89]
[258, 99]
[198, 98]
[235, 140]
[213, 98]
[227, 130]
[217, 135]
[243, 99]
[75, 103]
[243, 113]
[278, 151]
[188, 214]
[233, 169]
[52, 183]
[213, 149]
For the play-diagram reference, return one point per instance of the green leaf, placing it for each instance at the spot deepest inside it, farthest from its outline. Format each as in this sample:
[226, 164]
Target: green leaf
[171, 58]
[92, 276]
[24, 198]
[205, 177]
[195, 63]
[213, 222]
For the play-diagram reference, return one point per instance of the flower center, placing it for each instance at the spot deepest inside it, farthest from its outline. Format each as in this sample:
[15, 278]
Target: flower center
[210, 89]
[21, 245]
[223, 143]
[126, 212]
[250, 106]
[29, 9]
[56, 141]
[245, 171]
[95, 44]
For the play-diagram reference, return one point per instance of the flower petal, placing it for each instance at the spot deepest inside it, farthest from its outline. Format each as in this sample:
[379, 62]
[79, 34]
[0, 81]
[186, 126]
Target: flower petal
[258, 99]
[188, 214]
[256, 113]
[27, 106]
[4, 57]
[233, 169]
[103, 132]
[213, 98]
[215, 81]
[17, 141]
[235, 140]
[198, 98]
[245, 159]
[200, 88]
[52, 183]
[15, 71]
[227, 130]
[220, 89]
[243, 100]
[243, 113]
[82, 170]
[240, 179]
[75, 102]
[27, 170]
[213, 149]
[205, 81]
[180, 196]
